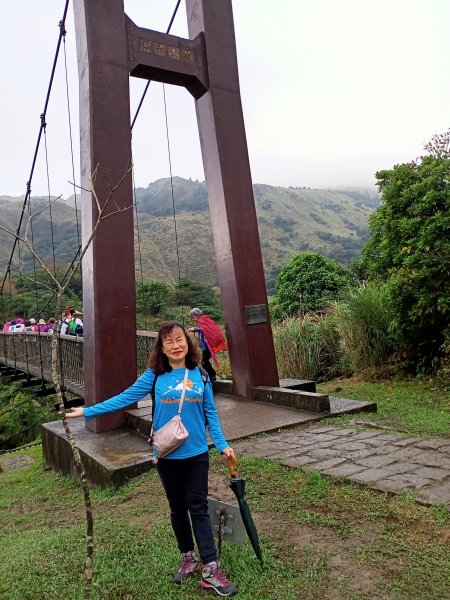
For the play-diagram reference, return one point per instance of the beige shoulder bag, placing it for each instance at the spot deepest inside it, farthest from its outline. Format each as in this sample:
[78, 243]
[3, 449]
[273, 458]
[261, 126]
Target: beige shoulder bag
[173, 433]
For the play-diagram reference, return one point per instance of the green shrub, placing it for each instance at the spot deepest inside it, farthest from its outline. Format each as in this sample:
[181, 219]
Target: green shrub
[307, 347]
[21, 416]
[310, 281]
[365, 321]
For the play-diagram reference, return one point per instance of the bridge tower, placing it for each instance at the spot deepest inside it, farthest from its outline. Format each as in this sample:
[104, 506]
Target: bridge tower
[111, 48]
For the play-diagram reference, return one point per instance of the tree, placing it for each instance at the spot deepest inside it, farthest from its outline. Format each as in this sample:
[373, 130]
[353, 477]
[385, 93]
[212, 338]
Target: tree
[105, 209]
[309, 281]
[153, 297]
[410, 248]
[190, 293]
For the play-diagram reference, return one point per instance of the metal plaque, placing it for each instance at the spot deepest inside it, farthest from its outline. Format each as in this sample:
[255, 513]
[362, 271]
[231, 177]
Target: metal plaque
[256, 313]
[233, 527]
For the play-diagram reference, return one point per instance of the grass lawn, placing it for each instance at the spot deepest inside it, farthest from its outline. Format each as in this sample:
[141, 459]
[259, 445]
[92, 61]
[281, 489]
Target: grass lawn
[321, 538]
[416, 406]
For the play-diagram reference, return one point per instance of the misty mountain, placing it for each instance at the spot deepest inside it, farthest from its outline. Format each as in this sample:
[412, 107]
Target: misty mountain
[290, 220]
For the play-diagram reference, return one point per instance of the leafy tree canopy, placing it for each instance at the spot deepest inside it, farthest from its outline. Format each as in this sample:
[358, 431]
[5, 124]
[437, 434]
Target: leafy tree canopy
[153, 297]
[190, 293]
[309, 281]
[410, 245]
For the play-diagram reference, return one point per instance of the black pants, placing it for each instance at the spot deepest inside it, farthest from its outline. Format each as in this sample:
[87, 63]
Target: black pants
[206, 355]
[185, 482]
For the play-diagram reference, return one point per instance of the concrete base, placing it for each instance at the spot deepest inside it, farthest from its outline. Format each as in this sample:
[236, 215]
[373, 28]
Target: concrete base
[109, 458]
[113, 457]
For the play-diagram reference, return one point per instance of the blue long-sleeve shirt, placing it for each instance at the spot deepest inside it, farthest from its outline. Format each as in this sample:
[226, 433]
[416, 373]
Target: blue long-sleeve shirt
[198, 403]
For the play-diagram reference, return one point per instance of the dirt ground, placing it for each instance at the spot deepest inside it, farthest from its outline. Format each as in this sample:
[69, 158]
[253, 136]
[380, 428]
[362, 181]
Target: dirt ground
[343, 569]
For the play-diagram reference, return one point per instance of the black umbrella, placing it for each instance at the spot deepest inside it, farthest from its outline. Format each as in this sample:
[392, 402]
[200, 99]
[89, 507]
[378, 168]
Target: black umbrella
[237, 484]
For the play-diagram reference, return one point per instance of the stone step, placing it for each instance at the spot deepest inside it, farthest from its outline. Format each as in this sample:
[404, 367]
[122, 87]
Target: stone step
[225, 386]
[305, 385]
[292, 398]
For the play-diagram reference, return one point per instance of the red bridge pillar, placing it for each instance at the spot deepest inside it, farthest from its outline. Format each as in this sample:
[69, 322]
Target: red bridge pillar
[109, 300]
[231, 201]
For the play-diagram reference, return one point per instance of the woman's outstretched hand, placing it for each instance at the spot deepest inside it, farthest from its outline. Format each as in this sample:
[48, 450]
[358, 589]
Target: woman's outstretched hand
[78, 411]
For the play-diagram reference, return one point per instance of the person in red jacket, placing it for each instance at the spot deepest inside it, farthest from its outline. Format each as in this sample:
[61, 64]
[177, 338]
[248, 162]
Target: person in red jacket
[211, 337]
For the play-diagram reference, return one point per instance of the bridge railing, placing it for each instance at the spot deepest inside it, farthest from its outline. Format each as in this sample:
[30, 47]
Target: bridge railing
[31, 353]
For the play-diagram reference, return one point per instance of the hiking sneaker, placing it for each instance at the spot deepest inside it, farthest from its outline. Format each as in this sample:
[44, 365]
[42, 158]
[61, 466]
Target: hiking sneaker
[189, 564]
[213, 577]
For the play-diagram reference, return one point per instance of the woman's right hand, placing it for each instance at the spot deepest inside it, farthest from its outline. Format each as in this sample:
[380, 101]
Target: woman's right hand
[78, 411]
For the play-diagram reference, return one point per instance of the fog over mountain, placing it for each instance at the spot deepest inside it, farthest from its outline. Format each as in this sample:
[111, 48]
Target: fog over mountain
[290, 220]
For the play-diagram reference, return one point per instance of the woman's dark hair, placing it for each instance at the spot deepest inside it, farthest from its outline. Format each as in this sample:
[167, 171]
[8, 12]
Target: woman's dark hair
[158, 361]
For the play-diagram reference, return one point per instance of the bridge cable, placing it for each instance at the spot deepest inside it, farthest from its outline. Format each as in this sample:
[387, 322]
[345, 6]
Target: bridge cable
[173, 205]
[25, 429]
[49, 199]
[37, 146]
[70, 135]
[144, 295]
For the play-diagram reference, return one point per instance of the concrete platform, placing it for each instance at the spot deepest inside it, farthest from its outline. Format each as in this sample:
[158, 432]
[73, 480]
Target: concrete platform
[109, 458]
[113, 457]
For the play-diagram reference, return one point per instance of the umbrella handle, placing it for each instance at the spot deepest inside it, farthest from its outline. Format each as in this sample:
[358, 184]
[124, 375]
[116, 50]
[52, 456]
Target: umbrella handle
[232, 462]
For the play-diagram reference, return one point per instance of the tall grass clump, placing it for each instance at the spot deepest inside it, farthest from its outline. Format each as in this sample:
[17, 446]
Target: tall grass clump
[365, 321]
[307, 347]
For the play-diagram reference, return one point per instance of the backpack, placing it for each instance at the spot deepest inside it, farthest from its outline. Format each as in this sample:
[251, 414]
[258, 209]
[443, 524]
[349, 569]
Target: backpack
[212, 332]
[204, 375]
[74, 328]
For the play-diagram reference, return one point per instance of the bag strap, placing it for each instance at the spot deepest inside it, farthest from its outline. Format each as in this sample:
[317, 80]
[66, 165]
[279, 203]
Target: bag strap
[184, 391]
[186, 373]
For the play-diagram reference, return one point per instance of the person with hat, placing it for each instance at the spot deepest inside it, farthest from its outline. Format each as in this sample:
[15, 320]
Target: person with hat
[33, 325]
[41, 326]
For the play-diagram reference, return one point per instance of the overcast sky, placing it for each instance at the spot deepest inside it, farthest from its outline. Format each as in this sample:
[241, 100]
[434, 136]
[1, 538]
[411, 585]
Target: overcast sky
[332, 91]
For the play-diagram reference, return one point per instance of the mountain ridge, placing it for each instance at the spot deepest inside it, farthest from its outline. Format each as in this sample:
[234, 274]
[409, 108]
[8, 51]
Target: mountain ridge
[290, 220]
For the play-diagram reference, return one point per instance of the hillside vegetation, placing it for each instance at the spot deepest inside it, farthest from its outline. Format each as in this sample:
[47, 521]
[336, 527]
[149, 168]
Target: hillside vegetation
[291, 220]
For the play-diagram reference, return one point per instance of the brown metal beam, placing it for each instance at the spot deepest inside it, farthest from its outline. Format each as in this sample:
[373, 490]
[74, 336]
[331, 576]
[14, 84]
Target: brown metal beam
[167, 58]
[231, 202]
[109, 299]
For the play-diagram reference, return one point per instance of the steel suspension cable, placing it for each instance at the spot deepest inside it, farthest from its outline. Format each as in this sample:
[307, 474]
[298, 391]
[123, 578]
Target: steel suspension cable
[134, 187]
[173, 203]
[33, 256]
[139, 249]
[71, 139]
[49, 198]
[27, 195]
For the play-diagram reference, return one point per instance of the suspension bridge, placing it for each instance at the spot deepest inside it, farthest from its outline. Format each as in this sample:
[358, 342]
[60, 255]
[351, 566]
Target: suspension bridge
[111, 48]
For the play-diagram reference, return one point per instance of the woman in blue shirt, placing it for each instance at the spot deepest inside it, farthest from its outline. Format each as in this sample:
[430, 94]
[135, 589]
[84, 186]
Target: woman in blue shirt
[183, 472]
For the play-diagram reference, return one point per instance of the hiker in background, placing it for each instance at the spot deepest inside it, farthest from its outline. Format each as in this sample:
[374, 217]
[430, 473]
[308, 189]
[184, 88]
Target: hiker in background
[16, 327]
[29, 326]
[51, 326]
[72, 324]
[41, 326]
[211, 337]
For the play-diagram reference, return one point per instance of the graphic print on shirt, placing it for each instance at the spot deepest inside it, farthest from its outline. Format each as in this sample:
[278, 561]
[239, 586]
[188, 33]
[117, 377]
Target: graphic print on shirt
[192, 394]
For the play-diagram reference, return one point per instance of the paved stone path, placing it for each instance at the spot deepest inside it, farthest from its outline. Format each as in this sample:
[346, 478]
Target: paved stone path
[386, 462]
